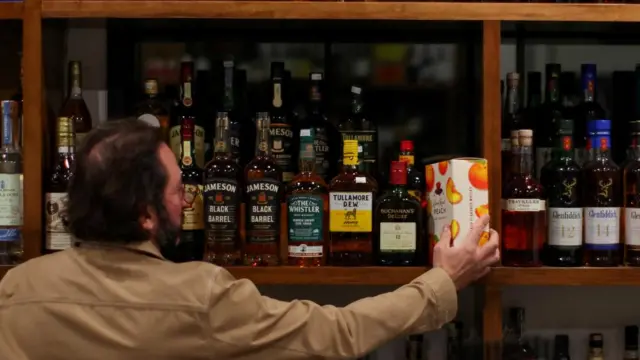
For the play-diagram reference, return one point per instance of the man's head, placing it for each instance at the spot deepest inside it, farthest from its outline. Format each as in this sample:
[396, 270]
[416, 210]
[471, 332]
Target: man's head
[126, 188]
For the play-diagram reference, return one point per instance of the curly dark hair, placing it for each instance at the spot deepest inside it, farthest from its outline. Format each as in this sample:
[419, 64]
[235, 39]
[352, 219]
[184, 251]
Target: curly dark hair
[118, 176]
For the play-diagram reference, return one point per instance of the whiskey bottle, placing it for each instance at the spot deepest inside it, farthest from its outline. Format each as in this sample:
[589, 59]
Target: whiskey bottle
[399, 223]
[511, 120]
[11, 219]
[282, 139]
[561, 347]
[515, 348]
[191, 246]
[74, 106]
[307, 209]
[589, 109]
[57, 236]
[602, 199]
[358, 126]
[563, 184]
[415, 179]
[263, 196]
[631, 343]
[351, 195]
[551, 112]
[186, 110]
[596, 344]
[151, 109]
[631, 188]
[17, 97]
[523, 210]
[230, 108]
[222, 199]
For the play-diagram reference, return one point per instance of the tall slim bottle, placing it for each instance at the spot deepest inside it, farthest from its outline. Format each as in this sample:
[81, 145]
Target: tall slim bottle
[282, 139]
[631, 187]
[75, 107]
[588, 110]
[10, 189]
[186, 110]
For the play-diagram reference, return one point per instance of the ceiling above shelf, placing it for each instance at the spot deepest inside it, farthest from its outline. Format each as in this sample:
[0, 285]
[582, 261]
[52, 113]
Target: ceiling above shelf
[329, 10]
[10, 10]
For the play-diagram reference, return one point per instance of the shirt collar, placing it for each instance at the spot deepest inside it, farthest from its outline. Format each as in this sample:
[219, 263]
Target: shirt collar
[144, 247]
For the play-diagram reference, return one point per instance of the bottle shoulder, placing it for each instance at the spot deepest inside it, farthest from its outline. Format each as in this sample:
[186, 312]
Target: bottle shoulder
[353, 181]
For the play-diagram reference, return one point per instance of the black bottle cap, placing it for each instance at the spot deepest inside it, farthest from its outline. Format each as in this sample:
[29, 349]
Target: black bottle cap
[631, 336]
[596, 341]
[564, 127]
[561, 343]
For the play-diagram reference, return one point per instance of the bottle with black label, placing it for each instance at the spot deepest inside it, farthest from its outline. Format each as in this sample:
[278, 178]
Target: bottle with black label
[228, 106]
[263, 197]
[222, 198]
[357, 126]
[398, 223]
[282, 139]
[191, 246]
[307, 209]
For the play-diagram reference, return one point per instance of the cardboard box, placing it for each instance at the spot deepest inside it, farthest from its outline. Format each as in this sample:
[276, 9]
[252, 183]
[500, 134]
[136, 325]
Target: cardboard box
[457, 195]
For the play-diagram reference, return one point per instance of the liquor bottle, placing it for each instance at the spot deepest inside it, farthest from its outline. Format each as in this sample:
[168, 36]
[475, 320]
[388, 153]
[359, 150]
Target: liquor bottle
[191, 246]
[57, 236]
[186, 110]
[399, 237]
[524, 210]
[561, 347]
[205, 108]
[282, 146]
[414, 347]
[415, 179]
[511, 120]
[151, 110]
[326, 143]
[307, 209]
[10, 187]
[222, 200]
[263, 194]
[515, 348]
[631, 188]
[351, 195]
[631, 343]
[74, 106]
[19, 140]
[229, 106]
[602, 199]
[357, 126]
[562, 182]
[531, 116]
[596, 343]
[589, 109]
[242, 124]
[550, 113]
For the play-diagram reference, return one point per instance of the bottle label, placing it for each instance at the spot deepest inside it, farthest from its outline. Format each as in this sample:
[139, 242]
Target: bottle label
[282, 149]
[305, 251]
[350, 211]
[193, 211]
[398, 236]
[632, 226]
[222, 202]
[409, 159]
[10, 235]
[602, 226]
[175, 142]
[234, 139]
[56, 233]
[523, 205]
[263, 208]
[543, 156]
[10, 200]
[565, 226]
[305, 217]
[321, 144]
[367, 139]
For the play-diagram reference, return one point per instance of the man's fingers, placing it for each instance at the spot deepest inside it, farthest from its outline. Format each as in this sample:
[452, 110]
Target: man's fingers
[445, 237]
[490, 247]
[483, 273]
[476, 231]
[491, 260]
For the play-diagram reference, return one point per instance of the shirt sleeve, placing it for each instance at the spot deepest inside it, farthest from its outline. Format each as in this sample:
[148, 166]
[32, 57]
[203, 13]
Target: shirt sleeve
[246, 325]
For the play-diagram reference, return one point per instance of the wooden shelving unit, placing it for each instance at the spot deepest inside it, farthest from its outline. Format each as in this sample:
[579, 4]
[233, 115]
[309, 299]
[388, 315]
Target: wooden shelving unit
[490, 15]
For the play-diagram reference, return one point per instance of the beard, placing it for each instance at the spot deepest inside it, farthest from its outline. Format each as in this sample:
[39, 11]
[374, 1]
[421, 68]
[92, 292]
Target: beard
[167, 235]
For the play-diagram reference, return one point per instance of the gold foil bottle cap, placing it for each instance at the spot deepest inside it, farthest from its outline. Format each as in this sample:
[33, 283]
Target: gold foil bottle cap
[525, 137]
[64, 124]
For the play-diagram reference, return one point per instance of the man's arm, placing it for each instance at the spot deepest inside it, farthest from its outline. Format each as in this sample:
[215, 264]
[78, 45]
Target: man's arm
[247, 325]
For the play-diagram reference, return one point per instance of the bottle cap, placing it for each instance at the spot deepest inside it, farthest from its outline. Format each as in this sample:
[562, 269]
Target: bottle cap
[596, 340]
[525, 137]
[406, 145]
[398, 173]
[588, 69]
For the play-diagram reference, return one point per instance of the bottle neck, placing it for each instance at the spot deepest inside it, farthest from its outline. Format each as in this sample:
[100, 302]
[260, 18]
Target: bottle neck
[552, 94]
[356, 105]
[589, 87]
[513, 102]
[349, 162]
[186, 94]
[75, 85]
[601, 147]
[228, 101]
[634, 149]
[8, 127]
[277, 95]
[408, 157]
[315, 99]
[263, 139]
[526, 160]
[222, 144]
[307, 158]
[535, 96]
[187, 148]
[563, 149]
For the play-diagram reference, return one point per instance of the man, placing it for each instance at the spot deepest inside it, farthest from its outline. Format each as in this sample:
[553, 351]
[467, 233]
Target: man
[116, 297]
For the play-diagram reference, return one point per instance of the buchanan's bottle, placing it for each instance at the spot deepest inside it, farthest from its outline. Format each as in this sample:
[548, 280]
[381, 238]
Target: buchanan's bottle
[307, 209]
[263, 197]
[222, 198]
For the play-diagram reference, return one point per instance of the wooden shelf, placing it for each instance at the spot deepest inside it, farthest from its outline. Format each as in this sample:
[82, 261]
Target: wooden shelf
[551, 276]
[288, 275]
[329, 10]
[11, 10]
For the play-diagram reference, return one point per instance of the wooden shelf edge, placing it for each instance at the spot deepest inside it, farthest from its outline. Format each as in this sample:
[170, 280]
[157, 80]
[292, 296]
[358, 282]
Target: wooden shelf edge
[552, 276]
[328, 275]
[329, 10]
[11, 10]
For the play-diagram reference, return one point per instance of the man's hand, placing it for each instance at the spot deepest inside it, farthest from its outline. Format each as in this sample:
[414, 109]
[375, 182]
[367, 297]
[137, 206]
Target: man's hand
[467, 262]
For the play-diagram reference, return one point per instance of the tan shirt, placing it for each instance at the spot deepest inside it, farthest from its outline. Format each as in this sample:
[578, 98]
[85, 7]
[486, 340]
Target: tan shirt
[110, 302]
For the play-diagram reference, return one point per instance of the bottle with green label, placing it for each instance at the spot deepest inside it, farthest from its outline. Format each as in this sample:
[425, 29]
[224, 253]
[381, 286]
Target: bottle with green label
[307, 209]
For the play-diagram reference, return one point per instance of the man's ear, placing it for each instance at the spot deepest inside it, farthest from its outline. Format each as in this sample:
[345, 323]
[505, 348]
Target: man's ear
[148, 219]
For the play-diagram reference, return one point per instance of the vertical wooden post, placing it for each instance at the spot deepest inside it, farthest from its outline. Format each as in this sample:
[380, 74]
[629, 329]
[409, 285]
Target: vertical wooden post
[32, 127]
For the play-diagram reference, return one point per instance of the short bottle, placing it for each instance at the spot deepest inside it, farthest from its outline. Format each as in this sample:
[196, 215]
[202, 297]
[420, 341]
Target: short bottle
[631, 187]
[398, 223]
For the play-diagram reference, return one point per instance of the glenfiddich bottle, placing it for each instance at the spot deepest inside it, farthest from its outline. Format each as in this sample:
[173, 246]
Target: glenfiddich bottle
[222, 198]
[74, 107]
[57, 236]
[263, 197]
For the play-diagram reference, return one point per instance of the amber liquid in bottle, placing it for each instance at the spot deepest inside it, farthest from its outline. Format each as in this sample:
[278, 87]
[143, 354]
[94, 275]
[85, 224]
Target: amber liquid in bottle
[75, 107]
[523, 209]
[263, 197]
[152, 111]
[632, 199]
[351, 195]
